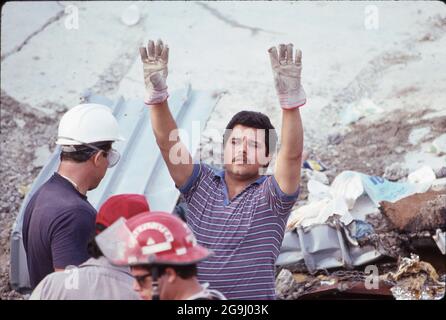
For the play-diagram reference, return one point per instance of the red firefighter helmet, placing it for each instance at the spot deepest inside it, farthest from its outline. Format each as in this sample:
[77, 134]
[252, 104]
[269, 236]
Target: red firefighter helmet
[158, 238]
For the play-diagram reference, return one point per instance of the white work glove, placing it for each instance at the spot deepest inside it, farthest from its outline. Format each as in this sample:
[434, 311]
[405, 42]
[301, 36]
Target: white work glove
[154, 61]
[286, 73]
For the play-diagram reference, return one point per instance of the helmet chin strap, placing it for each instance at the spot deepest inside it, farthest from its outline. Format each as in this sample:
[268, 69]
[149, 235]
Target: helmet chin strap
[155, 286]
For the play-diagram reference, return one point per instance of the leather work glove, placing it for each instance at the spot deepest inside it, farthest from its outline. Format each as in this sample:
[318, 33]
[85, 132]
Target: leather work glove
[154, 60]
[286, 73]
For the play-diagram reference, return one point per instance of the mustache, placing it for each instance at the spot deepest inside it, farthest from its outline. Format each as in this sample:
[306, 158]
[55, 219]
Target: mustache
[243, 158]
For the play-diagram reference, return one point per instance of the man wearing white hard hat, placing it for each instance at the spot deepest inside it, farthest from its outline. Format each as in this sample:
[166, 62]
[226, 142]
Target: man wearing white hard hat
[59, 220]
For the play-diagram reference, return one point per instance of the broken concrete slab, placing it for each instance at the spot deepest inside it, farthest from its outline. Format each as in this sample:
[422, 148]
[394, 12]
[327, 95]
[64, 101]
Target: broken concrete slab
[418, 212]
[58, 64]
[418, 135]
[37, 15]
[41, 156]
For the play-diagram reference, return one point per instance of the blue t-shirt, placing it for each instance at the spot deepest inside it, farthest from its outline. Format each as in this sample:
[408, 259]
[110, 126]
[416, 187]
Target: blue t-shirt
[57, 226]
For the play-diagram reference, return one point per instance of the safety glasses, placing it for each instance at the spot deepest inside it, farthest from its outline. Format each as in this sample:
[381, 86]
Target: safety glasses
[112, 155]
[142, 279]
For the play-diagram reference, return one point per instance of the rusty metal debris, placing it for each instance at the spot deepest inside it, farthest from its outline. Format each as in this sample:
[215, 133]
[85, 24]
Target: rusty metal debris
[421, 211]
[339, 284]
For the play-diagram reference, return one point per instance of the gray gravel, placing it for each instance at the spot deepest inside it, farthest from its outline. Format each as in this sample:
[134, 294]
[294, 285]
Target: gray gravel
[22, 132]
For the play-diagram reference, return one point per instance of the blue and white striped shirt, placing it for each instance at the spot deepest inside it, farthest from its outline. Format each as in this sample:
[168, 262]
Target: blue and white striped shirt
[245, 233]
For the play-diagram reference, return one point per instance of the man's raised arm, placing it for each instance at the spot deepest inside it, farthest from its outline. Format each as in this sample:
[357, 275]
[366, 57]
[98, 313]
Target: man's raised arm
[287, 73]
[178, 159]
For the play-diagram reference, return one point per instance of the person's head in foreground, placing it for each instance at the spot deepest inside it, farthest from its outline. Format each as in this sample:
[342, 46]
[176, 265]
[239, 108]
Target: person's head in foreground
[249, 143]
[162, 253]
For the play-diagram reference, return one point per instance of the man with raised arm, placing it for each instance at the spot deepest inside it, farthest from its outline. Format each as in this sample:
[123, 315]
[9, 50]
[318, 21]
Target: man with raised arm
[237, 212]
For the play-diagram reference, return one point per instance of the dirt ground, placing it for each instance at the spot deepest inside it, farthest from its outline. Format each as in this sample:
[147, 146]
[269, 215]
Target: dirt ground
[21, 133]
[371, 147]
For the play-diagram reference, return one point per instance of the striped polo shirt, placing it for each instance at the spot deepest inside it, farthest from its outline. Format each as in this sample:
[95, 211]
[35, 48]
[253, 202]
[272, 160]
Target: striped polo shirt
[245, 233]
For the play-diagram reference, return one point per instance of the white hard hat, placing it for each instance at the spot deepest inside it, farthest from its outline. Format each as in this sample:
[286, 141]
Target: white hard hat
[88, 123]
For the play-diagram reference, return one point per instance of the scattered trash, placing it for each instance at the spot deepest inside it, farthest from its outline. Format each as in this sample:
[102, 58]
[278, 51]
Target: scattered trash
[440, 173]
[318, 212]
[439, 184]
[20, 123]
[340, 198]
[130, 16]
[418, 212]
[317, 190]
[380, 189]
[439, 145]
[314, 165]
[418, 134]
[359, 229]
[284, 283]
[23, 190]
[348, 186]
[41, 156]
[423, 176]
[317, 176]
[335, 138]
[440, 240]
[354, 112]
[395, 172]
[415, 280]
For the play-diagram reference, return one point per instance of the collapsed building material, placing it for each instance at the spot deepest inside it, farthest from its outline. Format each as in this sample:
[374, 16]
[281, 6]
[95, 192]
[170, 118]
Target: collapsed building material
[322, 247]
[418, 212]
[338, 284]
[415, 280]
[440, 240]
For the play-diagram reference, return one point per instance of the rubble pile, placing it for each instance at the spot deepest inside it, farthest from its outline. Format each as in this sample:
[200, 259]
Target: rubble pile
[362, 221]
[416, 280]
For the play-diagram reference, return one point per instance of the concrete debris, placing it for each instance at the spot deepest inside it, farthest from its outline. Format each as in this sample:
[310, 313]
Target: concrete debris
[439, 145]
[418, 212]
[395, 172]
[357, 111]
[335, 138]
[318, 176]
[439, 184]
[41, 156]
[440, 173]
[423, 176]
[416, 280]
[417, 135]
[284, 283]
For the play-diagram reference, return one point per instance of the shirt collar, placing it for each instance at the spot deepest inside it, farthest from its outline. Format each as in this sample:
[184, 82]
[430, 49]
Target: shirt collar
[103, 262]
[221, 174]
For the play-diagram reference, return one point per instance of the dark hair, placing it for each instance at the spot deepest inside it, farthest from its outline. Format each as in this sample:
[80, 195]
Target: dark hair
[183, 271]
[255, 120]
[83, 152]
[93, 249]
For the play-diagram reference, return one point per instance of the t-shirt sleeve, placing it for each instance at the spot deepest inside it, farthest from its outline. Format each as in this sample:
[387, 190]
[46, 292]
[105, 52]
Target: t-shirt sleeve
[70, 236]
[200, 172]
[279, 201]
